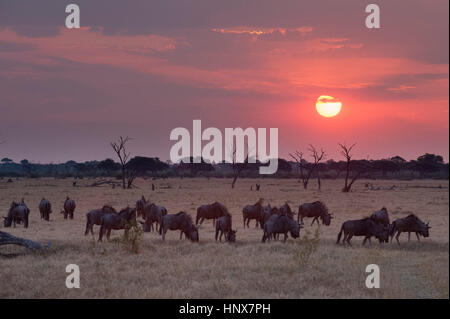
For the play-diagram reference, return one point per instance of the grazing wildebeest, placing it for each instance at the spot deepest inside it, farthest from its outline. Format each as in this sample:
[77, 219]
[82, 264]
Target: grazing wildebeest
[286, 210]
[255, 212]
[381, 217]
[94, 217]
[152, 213]
[210, 211]
[69, 208]
[116, 221]
[181, 221]
[317, 210]
[277, 224]
[18, 213]
[363, 227]
[224, 226]
[140, 204]
[410, 224]
[45, 208]
[267, 211]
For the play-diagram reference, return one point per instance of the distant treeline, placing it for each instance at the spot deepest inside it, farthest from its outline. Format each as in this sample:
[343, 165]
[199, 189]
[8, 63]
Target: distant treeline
[425, 166]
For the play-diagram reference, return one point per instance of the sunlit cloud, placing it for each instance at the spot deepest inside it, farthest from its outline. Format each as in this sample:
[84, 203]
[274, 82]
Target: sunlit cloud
[262, 31]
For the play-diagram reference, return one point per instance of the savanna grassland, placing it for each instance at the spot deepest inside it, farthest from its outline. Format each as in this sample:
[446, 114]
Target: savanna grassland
[246, 269]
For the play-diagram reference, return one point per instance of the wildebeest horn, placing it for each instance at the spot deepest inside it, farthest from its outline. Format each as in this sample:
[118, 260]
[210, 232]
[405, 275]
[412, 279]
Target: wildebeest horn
[4, 217]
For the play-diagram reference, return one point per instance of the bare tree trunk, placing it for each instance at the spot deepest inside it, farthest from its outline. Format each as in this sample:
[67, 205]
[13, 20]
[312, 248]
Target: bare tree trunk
[123, 176]
[234, 181]
[8, 239]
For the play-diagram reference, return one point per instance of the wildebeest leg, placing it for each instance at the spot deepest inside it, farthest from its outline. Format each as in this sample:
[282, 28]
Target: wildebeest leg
[264, 237]
[87, 227]
[181, 234]
[248, 222]
[285, 237]
[164, 230]
[364, 241]
[220, 236]
[417, 234]
[256, 224]
[214, 222]
[396, 237]
[349, 237]
[100, 234]
[108, 234]
[409, 236]
[313, 221]
[217, 233]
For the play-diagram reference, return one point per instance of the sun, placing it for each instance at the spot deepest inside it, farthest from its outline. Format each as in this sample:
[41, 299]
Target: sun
[328, 106]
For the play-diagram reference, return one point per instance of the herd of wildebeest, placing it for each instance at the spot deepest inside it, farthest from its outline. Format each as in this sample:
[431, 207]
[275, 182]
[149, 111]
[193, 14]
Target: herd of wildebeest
[272, 220]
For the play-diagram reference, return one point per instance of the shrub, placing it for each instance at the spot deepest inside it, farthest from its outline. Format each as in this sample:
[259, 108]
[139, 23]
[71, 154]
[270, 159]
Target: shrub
[307, 247]
[131, 239]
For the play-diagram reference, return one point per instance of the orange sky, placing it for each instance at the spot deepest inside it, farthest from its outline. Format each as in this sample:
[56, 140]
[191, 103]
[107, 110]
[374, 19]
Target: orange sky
[66, 93]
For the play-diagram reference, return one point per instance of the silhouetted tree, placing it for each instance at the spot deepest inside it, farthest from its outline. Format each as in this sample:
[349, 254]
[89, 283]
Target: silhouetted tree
[108, 165]
[307, 169]
[119, 148]
[429, 163]
[346, 151]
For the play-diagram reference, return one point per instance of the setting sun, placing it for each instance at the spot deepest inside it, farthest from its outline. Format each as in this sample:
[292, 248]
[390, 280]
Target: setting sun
[328, 106]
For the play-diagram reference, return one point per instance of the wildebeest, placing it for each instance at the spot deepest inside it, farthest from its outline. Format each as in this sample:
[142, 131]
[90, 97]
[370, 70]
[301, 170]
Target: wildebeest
[224, 226]
[267, 211]
[255, 212]
[45, 208]
[286, 210]
[363, 227]
[152, 213]
[316, 210]
[180, 221]
[381, 217]
[210, 211]
[277, 224]
[410, 224]
[140, 204]
[116, 221]
[69, 208]
[18, 213]
[94, 217]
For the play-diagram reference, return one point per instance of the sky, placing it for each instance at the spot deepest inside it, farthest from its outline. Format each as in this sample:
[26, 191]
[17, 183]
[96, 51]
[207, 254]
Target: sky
[143, 68]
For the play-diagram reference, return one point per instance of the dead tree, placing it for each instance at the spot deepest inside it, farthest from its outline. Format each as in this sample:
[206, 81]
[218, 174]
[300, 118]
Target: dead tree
[8, 239]
[119, 148]
[306, 173]
[318, 157]
[346, 152]
[237, 167]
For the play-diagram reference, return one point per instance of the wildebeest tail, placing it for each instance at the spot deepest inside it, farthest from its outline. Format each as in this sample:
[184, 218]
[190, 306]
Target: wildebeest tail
[87, 224]
[340, 234]
[198, 215]
[392, 228]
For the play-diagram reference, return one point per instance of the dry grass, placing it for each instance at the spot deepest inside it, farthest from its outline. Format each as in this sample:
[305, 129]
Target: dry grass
[247, 269]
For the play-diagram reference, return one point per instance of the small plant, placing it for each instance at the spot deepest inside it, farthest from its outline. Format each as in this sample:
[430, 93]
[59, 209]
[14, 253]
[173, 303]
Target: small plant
[307, 247]
[96, 249]
[132, 236]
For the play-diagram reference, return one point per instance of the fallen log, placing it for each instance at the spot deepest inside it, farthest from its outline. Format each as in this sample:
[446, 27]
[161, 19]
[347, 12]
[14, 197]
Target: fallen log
[8, 239]
[103, 182]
